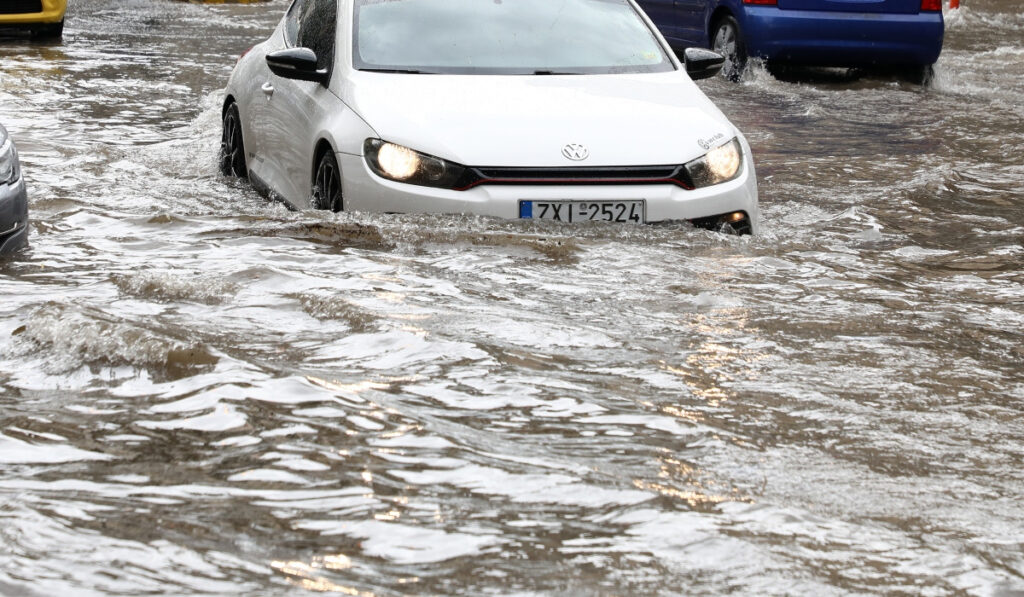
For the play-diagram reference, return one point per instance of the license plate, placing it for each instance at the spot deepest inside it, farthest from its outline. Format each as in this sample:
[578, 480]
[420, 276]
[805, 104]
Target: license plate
[584, 211]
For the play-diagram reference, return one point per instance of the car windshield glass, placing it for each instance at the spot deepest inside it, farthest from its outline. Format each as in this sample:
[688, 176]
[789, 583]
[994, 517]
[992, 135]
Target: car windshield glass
[504, 37]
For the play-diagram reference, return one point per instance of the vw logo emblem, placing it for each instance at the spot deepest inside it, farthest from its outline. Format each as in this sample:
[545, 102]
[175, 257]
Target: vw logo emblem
[575, 152]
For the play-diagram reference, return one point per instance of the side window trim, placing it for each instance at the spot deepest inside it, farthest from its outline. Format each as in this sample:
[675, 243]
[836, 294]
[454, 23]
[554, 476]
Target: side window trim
[292, 24]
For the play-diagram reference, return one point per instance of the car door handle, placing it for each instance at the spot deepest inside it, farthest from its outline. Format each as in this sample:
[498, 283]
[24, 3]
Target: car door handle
[268, 89]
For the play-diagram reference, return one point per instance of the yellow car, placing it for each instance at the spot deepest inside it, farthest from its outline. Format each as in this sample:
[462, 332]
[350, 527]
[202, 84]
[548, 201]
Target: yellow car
[43, 18]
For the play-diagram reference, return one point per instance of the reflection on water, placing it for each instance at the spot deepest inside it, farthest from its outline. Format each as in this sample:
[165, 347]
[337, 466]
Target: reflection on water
[204, 393]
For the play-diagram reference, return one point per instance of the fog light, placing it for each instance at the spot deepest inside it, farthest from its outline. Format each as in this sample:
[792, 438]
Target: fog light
[737, 222]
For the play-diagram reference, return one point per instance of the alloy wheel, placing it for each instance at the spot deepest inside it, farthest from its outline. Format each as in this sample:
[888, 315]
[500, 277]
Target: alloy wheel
[727, 43]
[327, 184]
[232, 150]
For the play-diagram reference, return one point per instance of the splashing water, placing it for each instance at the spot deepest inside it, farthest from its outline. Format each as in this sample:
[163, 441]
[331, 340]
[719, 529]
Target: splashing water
[203, 393]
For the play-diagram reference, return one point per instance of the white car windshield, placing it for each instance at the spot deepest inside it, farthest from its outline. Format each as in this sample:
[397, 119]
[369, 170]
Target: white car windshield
[504, 37]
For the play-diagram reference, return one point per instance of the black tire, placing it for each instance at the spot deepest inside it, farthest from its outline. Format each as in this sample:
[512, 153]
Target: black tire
[54, 31]
[727, 40]
[922, 75]
[232, 147]
[327, 184]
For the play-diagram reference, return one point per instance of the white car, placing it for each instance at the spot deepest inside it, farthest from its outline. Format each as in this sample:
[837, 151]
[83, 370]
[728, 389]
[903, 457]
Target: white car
[570, 110]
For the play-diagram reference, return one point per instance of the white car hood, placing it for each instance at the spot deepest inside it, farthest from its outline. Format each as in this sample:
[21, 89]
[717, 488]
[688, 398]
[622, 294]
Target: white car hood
[526, 121]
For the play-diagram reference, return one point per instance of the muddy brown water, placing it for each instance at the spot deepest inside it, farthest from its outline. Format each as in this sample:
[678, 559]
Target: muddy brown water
[204, 393]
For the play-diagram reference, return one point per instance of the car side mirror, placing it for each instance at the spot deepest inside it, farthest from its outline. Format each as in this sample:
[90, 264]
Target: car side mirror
[701, 63]
[298, 64]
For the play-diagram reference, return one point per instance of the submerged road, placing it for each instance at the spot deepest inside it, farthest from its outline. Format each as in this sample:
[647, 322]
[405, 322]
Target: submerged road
[204, 393]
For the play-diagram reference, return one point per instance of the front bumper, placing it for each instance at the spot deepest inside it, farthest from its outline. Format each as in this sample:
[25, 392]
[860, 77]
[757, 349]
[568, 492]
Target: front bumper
[52, 12]
[13, 216]
[365, 191]
[830, 38]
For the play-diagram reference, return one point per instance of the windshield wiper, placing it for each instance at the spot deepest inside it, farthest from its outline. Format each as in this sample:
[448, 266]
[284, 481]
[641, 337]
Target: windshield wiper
[555, 72]
[400, 71]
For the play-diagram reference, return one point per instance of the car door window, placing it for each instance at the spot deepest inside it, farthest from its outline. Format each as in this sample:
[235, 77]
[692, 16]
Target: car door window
[691, 17]
[317, 24]
[291, 22]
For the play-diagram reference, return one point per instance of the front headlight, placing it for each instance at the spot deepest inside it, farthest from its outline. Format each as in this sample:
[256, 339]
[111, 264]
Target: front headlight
[8, 162]
[719, 165]
[401, 164]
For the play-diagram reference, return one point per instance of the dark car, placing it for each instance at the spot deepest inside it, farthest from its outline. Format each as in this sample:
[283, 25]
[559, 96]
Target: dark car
[13, 198]
[903, 34]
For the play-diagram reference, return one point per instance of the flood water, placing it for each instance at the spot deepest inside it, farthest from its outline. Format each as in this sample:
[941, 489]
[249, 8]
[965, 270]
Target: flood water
[204, 393]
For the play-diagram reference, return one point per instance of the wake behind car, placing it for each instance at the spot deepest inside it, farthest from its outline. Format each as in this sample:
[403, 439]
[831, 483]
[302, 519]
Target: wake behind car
[905, 34]
[569, 110]
[41, 18]
[13, 198]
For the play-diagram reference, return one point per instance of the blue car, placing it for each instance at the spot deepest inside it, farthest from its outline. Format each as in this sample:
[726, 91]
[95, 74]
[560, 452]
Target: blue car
[905, 34]
[13, 199]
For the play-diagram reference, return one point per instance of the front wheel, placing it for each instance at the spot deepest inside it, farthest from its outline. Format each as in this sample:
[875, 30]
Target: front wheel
[727, 40]
[922, 75]
[53, 31]
[232, 149]
[327, 183]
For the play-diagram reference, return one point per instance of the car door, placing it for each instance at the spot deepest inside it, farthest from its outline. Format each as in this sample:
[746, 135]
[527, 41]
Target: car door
[252, 105]
[691, 18]
[294, 108]
[663, 13]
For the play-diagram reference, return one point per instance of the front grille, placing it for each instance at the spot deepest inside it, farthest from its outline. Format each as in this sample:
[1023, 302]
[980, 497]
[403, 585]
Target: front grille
[11, 7]
[611, 175]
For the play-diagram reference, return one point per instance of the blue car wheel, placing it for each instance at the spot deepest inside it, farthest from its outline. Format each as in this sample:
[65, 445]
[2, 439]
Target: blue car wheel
[727, 40]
